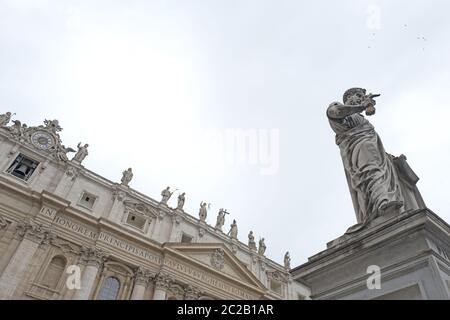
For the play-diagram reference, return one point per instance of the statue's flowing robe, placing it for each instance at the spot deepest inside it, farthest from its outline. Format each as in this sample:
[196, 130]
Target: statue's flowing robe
[233, 232]
[370, 171]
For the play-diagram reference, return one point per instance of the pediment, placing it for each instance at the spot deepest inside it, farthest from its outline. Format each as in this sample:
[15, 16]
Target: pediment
[140, 207]
[219, 258]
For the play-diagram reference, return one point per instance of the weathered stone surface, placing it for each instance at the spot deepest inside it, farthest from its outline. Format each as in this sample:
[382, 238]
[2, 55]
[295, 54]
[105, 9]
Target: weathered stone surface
[117, 232]
[408, 248]
[379, 183]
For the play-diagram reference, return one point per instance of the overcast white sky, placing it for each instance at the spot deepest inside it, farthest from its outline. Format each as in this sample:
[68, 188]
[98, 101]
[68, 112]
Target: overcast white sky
[143, 81]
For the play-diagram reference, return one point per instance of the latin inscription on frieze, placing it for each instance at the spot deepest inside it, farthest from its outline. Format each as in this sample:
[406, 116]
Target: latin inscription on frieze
[208, 279]
[48, 212]
[151, 257]
[72, 226]
[125, 246]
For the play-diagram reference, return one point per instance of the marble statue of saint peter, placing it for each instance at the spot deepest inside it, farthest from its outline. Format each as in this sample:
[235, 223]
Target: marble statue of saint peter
[379, 182]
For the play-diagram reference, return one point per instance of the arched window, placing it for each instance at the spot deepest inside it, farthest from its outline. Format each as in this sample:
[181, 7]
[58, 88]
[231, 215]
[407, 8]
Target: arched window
[110, 289]
[54, 272]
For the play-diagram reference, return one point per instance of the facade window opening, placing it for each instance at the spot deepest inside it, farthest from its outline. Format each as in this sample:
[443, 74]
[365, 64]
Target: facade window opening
[136, 220]
[186, 239]
[87, 200]
[110, 289]
[54, 272]
[275, 286]
[23, 167]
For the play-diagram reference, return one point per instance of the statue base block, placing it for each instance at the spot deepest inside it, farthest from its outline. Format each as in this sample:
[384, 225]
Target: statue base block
[411, 250]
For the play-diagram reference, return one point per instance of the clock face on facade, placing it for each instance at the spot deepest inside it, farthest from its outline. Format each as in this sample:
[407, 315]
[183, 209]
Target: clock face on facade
[42, 140]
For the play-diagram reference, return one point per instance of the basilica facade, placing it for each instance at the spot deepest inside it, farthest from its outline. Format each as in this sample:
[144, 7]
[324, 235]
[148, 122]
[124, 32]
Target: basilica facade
[69, 233]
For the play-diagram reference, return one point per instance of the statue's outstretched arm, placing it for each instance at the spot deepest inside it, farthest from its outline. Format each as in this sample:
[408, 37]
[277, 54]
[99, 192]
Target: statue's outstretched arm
[337, 110]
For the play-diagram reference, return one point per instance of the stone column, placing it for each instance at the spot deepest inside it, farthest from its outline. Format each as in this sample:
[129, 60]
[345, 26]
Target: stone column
[191, 293]
[32, 235]
[162, 284]
[93, 260]
[141, 279]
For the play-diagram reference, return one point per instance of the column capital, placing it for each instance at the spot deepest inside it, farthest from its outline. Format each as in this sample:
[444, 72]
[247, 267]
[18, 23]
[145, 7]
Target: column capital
[119, 195]
[34, 232]
[92, 256]
[142, 276]
[163, 281]
[72, 172]
[191, 292]
[3, 223]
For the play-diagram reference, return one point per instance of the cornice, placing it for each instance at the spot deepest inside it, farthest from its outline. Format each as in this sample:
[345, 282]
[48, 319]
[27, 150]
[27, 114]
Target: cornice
[385, 232]
[256, 286]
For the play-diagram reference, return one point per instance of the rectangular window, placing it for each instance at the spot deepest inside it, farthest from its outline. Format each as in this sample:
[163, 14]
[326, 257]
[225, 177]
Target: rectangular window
[186, 239]
[87, 200]
[23, 167]
[275, 286]
[136, 220]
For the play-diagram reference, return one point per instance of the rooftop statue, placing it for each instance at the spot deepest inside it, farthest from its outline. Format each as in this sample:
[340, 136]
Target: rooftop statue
[181, 200]
[127, 176]
[52, 125]
[17, 130]
[221, 219]
[203, 212]
[166, 194]
[61, 153]
[262, 247]
[5, 119]
[81, 153]
[379, 183]
[233, 230]
[287, 261]
[251, 241]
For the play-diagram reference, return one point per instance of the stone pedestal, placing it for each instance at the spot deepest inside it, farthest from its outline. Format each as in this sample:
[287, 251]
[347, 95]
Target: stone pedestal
[411, 250]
